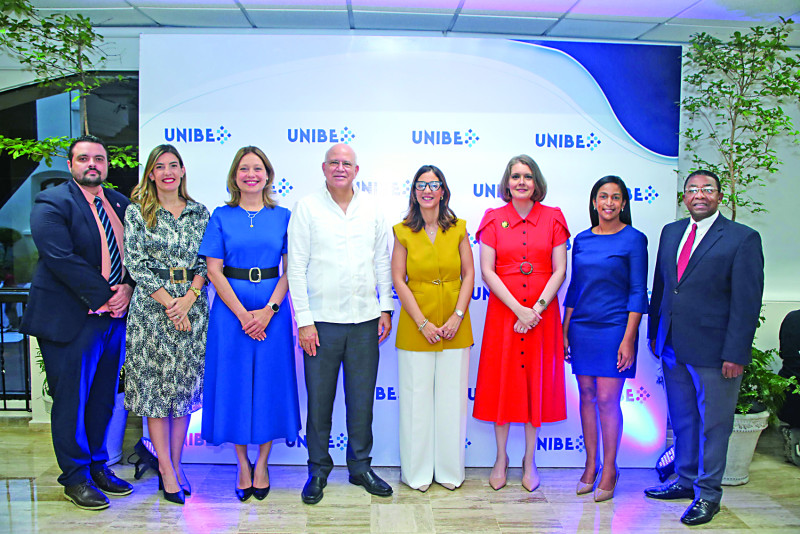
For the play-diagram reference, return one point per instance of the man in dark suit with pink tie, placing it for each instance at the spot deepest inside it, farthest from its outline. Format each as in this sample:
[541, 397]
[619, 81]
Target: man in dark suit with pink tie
[78, 300]
[707, 288]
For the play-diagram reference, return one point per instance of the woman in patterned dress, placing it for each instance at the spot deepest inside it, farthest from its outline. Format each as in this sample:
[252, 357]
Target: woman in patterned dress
[168, 315]
[524, 262]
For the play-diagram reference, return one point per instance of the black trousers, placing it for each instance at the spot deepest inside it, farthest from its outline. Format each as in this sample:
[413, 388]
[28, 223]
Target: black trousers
[355, 347]
[82, 376]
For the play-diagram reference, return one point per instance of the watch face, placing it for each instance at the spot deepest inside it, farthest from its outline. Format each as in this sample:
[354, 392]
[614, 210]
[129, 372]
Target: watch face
[275, 308]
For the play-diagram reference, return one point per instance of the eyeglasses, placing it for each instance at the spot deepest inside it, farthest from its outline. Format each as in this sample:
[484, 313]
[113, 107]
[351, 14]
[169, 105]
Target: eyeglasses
[335, 163]
[420, 186]
[708, 190]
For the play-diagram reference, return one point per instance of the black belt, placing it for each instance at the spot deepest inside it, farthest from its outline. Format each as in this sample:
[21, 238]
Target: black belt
[176, 275]
[254, 274]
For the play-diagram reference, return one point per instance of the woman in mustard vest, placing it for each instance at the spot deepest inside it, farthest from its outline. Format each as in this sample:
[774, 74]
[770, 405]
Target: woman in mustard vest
[433, 274]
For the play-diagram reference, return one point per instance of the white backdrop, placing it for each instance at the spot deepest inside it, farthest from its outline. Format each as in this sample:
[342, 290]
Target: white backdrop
[465, 105]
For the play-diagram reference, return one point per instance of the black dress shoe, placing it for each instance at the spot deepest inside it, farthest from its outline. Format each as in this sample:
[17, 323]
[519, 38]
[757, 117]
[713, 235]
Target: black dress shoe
[178, 497]
[372, 483]
[244, 494]
[86, 496]
[312, 491]
[110, 483]
[670, 491]
[700, 512]
[260, 493]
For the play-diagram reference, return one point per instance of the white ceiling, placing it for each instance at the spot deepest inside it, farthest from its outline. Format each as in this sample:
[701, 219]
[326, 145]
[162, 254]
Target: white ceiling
[673, 21]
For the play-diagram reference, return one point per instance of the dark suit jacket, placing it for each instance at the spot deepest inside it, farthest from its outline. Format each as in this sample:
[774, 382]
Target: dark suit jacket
[67, 282]
[713, 311]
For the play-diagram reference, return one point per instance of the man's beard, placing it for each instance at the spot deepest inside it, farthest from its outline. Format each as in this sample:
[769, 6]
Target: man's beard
[97, 179]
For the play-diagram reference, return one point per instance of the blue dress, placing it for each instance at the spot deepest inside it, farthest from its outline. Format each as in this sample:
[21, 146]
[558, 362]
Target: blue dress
[609, 279]
[250, 392]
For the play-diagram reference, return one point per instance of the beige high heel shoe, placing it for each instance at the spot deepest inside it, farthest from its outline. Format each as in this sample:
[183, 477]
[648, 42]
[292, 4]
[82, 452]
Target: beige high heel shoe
[601, 495]
[497, 482]
[530, 482]
[583, 487]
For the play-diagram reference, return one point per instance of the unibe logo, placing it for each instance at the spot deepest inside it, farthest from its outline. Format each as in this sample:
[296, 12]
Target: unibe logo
[320, 135]
[558, 443]
[565, 140]
[197, 135]
[640, 395]
[444, 137]
[637, 194]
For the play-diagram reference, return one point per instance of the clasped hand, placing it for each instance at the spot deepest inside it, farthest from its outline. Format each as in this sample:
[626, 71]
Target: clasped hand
[527, 318]
[255, 323]
[177, 311]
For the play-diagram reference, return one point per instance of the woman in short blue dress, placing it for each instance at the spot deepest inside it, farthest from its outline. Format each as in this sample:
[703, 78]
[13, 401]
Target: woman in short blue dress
[605, 301]
[250, 394]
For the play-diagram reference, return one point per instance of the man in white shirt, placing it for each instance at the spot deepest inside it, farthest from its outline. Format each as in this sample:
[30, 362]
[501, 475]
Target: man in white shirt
[704, 310]
[338, 256]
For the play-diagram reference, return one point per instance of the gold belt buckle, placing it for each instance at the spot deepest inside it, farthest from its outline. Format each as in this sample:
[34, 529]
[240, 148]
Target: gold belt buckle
[173, 270]
[436, 282]
[257, 271]
[522, 267]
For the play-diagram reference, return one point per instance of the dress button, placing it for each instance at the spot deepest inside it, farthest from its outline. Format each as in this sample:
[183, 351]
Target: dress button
[523, 257]
[524, 243]
[523, 231]
[524, 285]
[523, 366]
[524, 300]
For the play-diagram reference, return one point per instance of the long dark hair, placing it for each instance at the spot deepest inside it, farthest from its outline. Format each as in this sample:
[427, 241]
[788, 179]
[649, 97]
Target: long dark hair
[624, 214]
[413, 218]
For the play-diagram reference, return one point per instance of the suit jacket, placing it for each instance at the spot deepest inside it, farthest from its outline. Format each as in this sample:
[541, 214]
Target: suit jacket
[713, 311]
[68, 280]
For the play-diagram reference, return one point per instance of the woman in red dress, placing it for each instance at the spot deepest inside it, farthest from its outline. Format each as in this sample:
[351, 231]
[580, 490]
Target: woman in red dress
[524, 262]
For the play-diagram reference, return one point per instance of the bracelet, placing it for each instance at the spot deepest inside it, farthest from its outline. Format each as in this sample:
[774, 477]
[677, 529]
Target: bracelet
[423, 325]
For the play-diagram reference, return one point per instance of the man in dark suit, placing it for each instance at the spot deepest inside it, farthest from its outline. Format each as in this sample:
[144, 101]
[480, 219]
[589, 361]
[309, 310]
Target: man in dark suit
[707, 288]
[78, 300]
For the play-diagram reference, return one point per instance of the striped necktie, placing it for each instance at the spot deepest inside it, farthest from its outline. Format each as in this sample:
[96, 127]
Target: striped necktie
[115, 276]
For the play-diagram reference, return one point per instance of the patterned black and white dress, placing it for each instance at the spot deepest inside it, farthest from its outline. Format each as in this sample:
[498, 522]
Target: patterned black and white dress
[164, 367]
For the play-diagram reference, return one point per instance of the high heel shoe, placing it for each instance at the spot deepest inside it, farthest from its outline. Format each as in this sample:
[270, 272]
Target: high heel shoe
[583, 488]
[530, 483]
[186, 487]
[177, 497]
[497, 482]
[601, 495]
[244, 494]
[260, 493]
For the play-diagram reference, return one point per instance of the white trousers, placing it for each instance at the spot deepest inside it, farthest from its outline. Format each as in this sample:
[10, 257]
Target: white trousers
[433, 416]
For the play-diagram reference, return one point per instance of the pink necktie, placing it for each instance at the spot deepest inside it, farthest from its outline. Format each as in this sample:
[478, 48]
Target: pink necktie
[686, 251]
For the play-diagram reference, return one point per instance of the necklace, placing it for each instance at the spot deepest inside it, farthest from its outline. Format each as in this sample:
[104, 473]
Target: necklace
[252, 214]
[431, 232]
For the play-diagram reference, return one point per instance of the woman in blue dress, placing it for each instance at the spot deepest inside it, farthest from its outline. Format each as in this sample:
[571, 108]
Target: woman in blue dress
[605, 301]
[250, 394]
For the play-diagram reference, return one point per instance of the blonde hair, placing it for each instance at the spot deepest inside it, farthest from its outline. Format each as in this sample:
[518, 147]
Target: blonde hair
[145, 193]
[233, 187]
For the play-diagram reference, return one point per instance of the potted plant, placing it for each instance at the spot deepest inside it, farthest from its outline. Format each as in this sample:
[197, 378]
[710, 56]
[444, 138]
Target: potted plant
[734, 92]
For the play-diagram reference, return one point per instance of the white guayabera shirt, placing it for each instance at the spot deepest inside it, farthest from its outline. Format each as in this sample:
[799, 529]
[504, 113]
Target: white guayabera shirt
[337, 259]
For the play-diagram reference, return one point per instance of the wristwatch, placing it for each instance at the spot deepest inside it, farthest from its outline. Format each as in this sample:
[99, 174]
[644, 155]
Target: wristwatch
[196, 291]
[274, 307]
[459, 313]
[543, 304]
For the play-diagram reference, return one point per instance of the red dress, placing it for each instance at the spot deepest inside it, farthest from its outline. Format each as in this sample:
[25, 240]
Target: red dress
[521, 376]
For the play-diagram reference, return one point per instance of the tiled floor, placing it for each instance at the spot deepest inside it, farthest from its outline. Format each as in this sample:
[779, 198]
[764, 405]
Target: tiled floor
[31, 500]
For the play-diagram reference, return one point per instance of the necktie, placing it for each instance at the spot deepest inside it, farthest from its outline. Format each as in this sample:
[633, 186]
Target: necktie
[115, 275]
[686, 251]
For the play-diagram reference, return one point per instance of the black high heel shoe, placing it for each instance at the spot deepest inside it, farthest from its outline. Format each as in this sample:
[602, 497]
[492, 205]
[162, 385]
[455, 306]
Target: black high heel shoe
[259, 493]
[177, 497]
[186, 487]
[244, 494]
